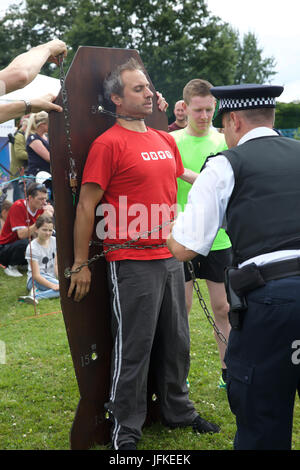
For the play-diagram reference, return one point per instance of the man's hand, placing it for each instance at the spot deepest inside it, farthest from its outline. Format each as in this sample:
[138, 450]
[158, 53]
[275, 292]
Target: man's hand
[48, 210]
[56, 47]
[161, 102]
[45, 103]
[80, 282]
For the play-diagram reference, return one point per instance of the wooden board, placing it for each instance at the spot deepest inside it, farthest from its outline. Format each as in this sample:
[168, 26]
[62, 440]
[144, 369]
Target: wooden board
[88, 322]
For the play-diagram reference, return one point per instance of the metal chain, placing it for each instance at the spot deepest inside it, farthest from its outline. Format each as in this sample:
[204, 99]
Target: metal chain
[128, 244]
[65, 102]
[203, 303]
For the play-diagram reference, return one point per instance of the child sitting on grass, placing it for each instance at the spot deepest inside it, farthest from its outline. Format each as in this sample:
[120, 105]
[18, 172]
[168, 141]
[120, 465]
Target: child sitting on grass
[42, 263]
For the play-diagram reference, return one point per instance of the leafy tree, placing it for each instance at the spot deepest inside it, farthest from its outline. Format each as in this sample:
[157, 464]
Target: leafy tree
[287, 115]
[251, 66]
[177, 39]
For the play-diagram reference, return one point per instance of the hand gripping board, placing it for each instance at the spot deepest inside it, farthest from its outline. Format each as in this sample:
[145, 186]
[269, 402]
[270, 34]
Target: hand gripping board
[87, 322]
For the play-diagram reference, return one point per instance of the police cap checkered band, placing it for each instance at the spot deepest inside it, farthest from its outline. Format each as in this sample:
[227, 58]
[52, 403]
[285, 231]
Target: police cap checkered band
[246, 103]
[245, 96]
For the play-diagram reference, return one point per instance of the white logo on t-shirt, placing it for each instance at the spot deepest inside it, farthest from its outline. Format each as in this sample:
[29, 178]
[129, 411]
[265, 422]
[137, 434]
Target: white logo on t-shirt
[159, 155]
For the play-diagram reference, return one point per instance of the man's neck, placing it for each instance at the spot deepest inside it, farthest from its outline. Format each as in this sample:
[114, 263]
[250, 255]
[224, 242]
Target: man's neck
[137, 126]
[31, 209]
[181, 124]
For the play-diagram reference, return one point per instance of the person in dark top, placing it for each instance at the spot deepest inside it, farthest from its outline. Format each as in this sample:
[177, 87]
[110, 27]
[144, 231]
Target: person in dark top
[181, 118]
[37, 144]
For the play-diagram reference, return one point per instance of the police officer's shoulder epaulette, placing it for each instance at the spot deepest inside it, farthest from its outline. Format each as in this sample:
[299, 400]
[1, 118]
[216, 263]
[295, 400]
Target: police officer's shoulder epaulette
[209, 157]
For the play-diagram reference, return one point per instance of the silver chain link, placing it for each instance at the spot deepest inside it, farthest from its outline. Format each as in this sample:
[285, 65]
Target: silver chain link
[203, 303]
[65, 102]
[128, 244]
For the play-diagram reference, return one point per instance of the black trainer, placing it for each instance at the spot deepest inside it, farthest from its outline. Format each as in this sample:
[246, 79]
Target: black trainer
[127, 446]
[202, 426]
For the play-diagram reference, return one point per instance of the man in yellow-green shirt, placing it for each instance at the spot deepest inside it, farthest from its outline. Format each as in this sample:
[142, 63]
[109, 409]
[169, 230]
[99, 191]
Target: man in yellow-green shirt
[196, 142]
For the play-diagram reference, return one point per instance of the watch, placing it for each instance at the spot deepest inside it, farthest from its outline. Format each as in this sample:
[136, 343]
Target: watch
[27, 107]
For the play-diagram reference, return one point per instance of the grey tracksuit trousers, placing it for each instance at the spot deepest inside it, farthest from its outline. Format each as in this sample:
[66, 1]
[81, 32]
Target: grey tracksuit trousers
[148, 303]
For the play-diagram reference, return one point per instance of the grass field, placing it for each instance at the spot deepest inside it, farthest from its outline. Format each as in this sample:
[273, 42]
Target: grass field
[38, 389]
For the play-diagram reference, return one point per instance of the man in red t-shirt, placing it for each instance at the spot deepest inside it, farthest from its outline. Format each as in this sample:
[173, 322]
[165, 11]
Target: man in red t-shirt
[19, 227]
[132, 170]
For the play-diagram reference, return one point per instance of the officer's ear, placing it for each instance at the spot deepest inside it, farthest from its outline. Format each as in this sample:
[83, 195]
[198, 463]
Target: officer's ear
[236, 120]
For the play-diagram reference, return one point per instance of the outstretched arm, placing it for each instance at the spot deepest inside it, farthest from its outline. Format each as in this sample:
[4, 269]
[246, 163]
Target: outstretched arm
[17, 108]
[24, 68]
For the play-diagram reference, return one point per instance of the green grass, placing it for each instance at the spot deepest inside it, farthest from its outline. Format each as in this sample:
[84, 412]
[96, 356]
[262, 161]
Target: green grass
[38, 389]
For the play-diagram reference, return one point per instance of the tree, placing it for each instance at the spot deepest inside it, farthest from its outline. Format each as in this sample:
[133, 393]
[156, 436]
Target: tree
[251, 66]
[287, 115]
[177, 39]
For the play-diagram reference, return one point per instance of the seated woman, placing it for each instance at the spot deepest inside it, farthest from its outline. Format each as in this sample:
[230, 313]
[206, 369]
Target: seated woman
[37, 144]
[42, 263]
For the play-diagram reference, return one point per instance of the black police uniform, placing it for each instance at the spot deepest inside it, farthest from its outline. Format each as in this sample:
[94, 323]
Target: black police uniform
[263, 354]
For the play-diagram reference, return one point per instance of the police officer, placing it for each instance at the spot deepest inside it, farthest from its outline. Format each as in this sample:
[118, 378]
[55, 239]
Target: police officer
[255, 187]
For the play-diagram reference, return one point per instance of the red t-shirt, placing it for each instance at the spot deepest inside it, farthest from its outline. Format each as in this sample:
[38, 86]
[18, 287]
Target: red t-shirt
[138, 172]
[18, 217]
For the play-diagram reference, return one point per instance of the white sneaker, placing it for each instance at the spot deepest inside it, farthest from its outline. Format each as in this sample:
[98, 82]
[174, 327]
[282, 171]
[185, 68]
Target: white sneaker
[12, 271]
[28, 299]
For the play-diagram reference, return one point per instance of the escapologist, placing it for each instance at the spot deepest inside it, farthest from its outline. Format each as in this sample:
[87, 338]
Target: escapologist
[146, 285]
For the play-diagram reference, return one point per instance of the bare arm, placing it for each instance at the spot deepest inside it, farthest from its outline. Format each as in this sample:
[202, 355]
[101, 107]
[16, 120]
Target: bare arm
[90, 195]
[189, 176]
[26, 232]
[17, 108]
[24, 68]
[40, 149]
[56, 267]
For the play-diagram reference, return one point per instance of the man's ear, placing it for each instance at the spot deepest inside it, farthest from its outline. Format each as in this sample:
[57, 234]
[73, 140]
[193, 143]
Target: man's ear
[236, 120]
[116, 99]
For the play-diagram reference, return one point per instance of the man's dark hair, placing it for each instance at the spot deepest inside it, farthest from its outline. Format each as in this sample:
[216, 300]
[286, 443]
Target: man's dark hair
[113, 84]
[34, 188]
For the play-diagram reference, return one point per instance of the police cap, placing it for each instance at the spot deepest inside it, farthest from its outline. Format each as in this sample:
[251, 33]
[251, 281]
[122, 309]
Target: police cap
[245, 96]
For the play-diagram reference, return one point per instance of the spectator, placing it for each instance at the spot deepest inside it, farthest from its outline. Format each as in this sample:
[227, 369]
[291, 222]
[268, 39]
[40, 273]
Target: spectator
[180, 115]
[21, 71]
[19, 158]
[196, 142]
[6, 205]
[37, 144]
[19, 227]
[42, 263]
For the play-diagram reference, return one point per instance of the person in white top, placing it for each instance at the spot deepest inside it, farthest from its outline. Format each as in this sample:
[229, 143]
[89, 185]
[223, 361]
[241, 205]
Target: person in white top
[253, 189]
[42, 275]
